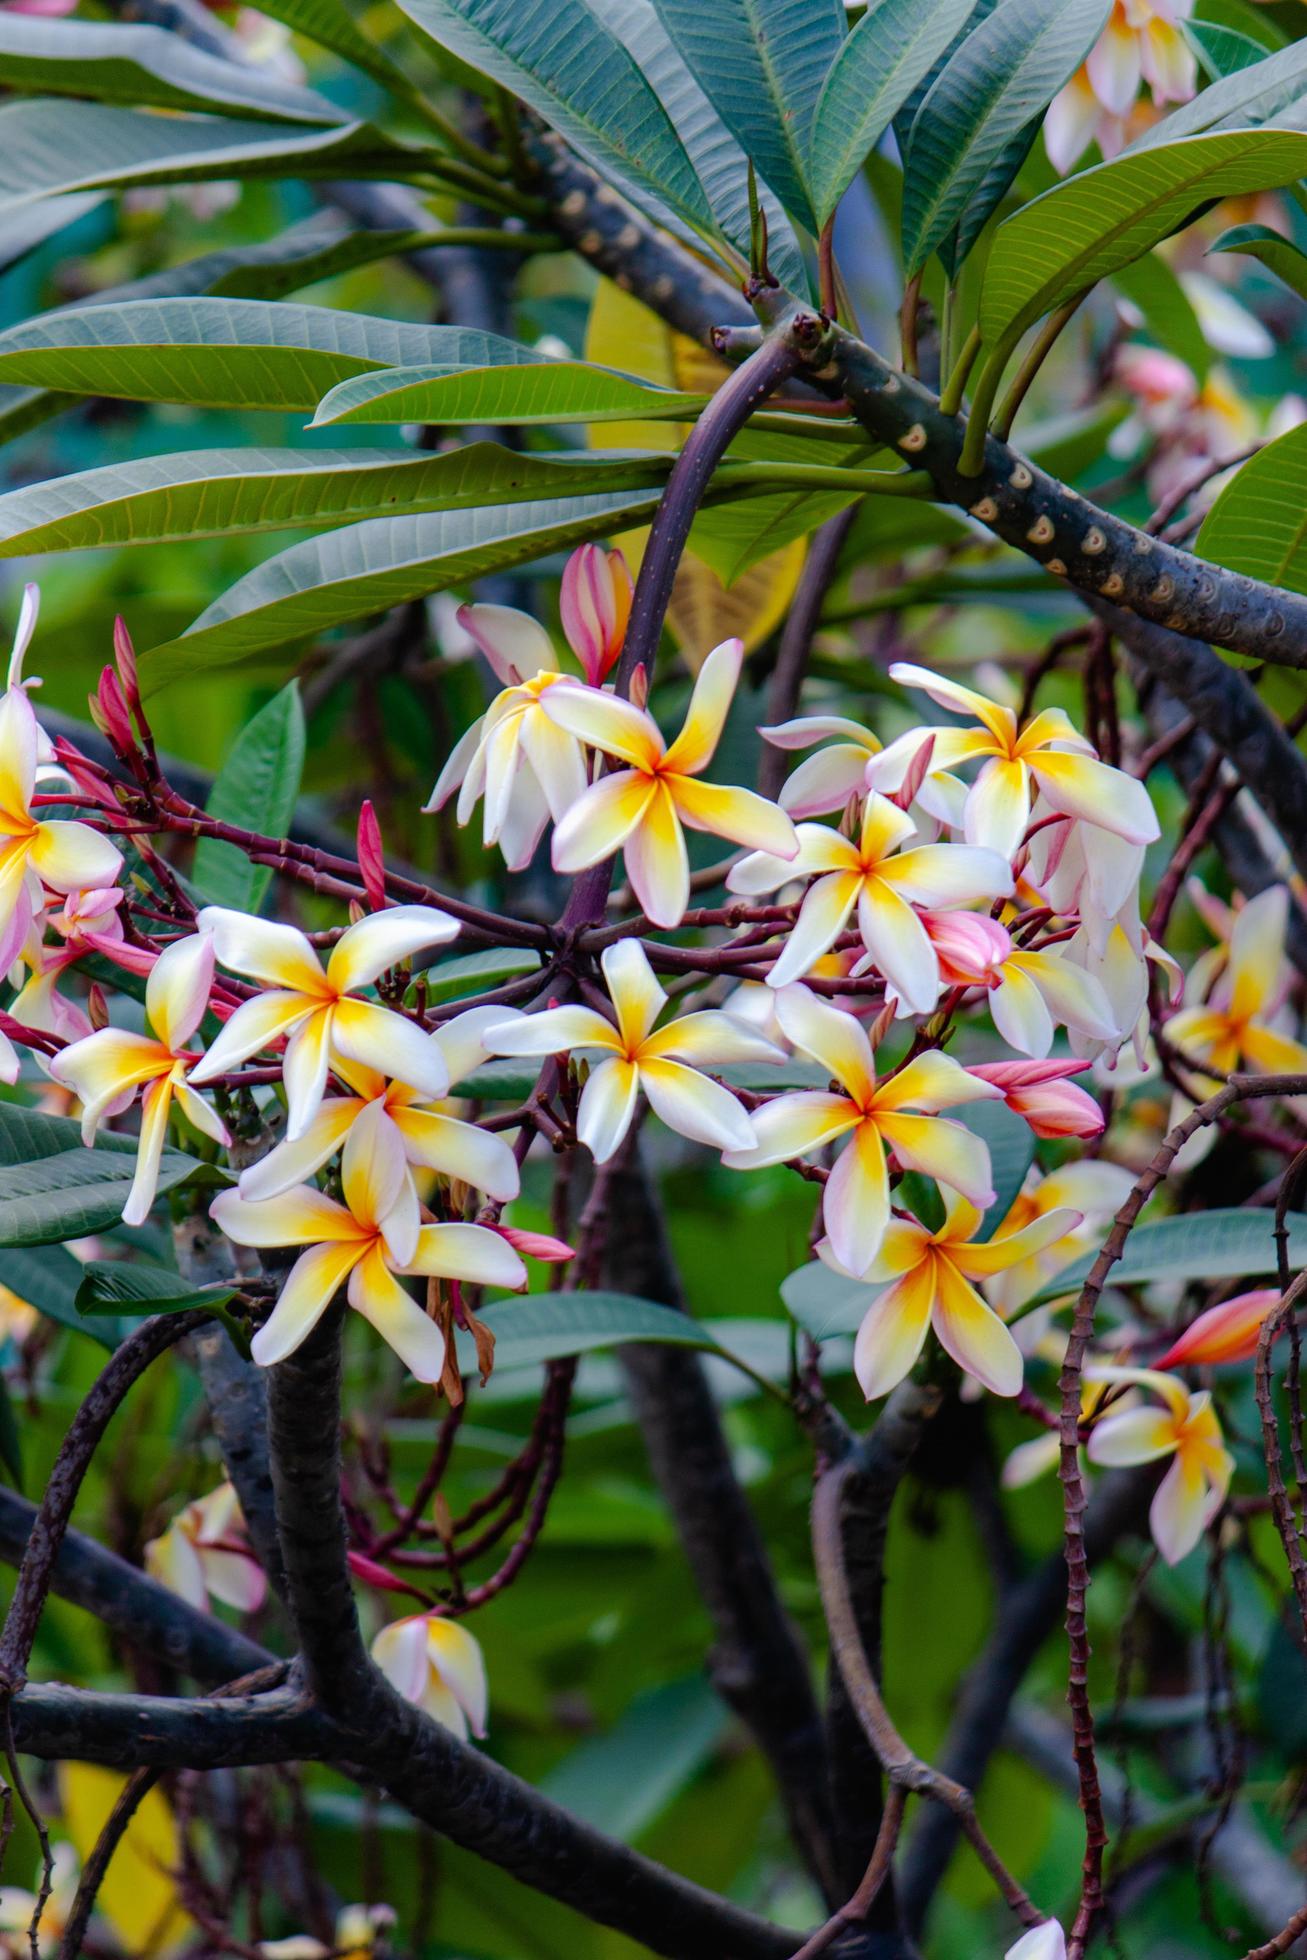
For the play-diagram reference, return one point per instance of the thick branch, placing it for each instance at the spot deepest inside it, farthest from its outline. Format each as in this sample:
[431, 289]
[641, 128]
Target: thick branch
[757, 1663]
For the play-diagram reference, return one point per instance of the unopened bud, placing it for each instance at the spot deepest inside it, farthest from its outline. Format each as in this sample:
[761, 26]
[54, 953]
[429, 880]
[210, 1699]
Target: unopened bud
[640, 686]
[109, 712]
[372, 862]
[97, 1008]
[124, 654]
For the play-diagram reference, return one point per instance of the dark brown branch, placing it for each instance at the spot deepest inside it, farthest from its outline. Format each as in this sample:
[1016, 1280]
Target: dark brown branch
[757, 1664]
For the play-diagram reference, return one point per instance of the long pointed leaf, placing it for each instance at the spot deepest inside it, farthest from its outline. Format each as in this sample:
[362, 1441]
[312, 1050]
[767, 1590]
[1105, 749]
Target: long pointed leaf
[1251, 96]
[892, 47]
[761, 64]
[1258, 524]
[549, 391]
[227, 353]
[367, 568]
[579, 76]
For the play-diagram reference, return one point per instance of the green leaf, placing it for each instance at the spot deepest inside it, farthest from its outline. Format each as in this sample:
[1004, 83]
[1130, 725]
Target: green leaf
[136, 63]
[548, 1326]
[52, 1188]
[1085, 229]
[825, 1303]
[1278, 254]
[208, 493]
[761, 64]
[255, 788]
[48, 1277]
[986, 96]
[11, 1449]
[57, 146]
[1168, 311]
[476, 973]
[1222, 50]
[1258, 524]
[1011, 1145]
[23, 230]
[227, 353]
[893, 46]
[367, 568]
[1250, 97]
[546, 391]
[623, 1780]
[331, 25]
[130, 1290]
[572, 70]
[1202, 1245]
[719, 162]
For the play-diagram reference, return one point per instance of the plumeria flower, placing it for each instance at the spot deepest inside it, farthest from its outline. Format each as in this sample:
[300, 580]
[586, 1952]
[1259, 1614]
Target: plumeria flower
[436, 1663]
[640, 809]
[874, 1117]
[362, 1244]
[1081, 871]
[594, 605]
[1041, 1455]
[1046, 753]
[1227, 1332]
[664, 1062]
[429, 1138]
[1091, 1189]
[354, 1937]
[63, 855]
[1045, 1942]
[1142, 42]
[1119, 964]
[525, 766]
[1187, 1430]
[106, 1069]
[1236, 1028]
[318, 1009]
[205, 1554]
[18, 1317]
[18, 1905]
[1040, 1092]
[1033, 992]
[827, 780]
[928, 1281]
[882, 881]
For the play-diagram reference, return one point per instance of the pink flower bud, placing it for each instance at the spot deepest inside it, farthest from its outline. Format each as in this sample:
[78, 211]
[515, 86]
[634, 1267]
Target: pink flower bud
[88, 777]
[97, 1008]
[536, 1245]
[124, 654]
[640, 686]
[1155, 377]
[971, 947]
[372, 862]
[376, 1575]
[595, 605]
[1228, 1332]
[917, 771]
[109, 712]
[1039, 1091]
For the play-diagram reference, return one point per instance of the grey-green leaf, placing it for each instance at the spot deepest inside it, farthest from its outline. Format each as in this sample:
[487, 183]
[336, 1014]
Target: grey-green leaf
[52, 1188]
[1085, 229]
[1258, 524]
[547, 391]
[53, 147]
[256, 788]
[47, 1277]
[327, 581]
[207, 493]
[1001, 77]
[1268, 90]
[227, 353]
[893, 46]
[1270, 248]
[762, 64]
[1200, 1246]
[138, 63]
[548, 1326]
[576, 73]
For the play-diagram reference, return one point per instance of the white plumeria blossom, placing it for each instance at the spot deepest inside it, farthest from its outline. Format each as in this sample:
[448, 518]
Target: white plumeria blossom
[430, 1139]
[664, 1062]
[106, 1068]
[318, 1009]
[204, 1553]
[436, 1663]
[525, 767]
[880, 881]
[1046, 1942]
[17, 1905]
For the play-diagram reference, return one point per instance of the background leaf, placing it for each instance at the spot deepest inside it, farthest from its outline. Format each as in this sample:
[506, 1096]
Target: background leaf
[52, 1188]
[1258, 524]
[1272, 249]
[255, 788]
[1201, 1245]
[552, 391]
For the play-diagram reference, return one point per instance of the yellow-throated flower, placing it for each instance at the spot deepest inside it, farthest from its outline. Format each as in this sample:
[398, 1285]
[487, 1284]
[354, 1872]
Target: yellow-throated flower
[899, 1114]
[106, 1069]
[1235, 1029]
[663, 1062]
[1142, 42]
[436, 1662]
[1188, 1430]
[1091, 1191]
[17, 1906]
[205, 1553]
[640, 809]
[928, 1282]
[1046, 753]
[1229, 1331]
[883, 882]
[319, 1009]
[362, 1244]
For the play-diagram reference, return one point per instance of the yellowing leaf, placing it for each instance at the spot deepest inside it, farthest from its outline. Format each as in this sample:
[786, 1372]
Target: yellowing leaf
[623, 333]
[138, 1896]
